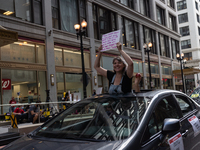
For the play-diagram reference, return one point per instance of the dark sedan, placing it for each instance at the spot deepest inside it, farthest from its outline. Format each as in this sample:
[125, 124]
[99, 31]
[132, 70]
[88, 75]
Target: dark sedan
[161, 119]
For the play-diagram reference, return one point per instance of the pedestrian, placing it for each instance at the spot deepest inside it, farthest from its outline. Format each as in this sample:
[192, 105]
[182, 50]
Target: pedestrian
[120, 80]
[12, 101]
[20, 114]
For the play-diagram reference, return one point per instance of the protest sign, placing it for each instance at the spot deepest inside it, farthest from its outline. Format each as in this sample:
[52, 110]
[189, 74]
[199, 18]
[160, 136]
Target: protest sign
[109, 40]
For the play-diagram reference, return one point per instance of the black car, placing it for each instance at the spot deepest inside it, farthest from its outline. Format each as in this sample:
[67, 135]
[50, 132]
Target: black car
[156, 120]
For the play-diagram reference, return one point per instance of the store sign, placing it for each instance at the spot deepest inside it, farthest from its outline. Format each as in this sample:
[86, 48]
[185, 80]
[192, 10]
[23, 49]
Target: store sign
[6, 84]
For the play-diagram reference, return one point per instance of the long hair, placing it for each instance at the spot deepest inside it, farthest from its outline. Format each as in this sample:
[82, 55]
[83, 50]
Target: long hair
[120, 59]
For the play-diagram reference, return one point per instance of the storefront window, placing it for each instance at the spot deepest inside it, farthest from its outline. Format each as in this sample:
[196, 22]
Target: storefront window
[107, 62]
[166, 70]
[58, 57]
[73, 84]
[60, 85]
[42, 86]
[40, 54]
[73, 59]
[23, 86]
[167, 83]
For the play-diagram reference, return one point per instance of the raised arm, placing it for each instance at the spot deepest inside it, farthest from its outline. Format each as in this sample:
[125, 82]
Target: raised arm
[97, 66]
[128, 60]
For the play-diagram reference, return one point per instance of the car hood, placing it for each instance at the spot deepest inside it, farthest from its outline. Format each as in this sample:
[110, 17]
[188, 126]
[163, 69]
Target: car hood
[26, 143]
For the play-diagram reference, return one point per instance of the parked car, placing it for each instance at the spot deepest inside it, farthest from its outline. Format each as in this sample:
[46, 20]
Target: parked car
[161, 119]
[196, 95]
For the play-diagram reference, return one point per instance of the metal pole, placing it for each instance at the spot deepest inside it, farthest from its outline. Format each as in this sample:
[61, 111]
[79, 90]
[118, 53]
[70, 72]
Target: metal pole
[149, 69]
[182, 76]
[83, 67]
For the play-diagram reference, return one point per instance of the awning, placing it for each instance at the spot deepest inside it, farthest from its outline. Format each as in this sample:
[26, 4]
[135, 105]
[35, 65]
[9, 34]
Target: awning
[187, 71]
[7, 37]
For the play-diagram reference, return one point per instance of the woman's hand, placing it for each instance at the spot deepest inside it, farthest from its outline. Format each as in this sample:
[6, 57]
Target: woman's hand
[119, 46]
[100, 48]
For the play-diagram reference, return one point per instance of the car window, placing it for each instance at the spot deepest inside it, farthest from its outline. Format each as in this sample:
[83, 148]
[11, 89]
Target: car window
[166, 108]
[184, 104]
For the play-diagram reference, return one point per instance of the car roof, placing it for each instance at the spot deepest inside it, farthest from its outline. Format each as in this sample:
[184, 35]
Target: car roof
[149, 94]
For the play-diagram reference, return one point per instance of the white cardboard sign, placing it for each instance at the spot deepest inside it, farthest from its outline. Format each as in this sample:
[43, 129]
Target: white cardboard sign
[109, 40]
[194, 121]
[176, 142]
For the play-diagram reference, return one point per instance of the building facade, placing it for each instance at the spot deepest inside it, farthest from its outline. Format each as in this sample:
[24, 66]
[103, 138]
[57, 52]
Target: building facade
[188, 22]
[47, 55]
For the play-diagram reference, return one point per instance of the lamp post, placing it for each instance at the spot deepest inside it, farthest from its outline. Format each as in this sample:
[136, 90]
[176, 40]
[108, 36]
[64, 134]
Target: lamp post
[180, 58]
[147, 49]
[80, 32]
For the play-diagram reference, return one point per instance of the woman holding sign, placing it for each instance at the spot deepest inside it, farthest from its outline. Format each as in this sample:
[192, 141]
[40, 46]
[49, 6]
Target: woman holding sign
[120, 80]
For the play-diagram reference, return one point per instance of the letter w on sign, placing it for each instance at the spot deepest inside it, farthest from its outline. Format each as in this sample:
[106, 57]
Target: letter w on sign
[6, 84]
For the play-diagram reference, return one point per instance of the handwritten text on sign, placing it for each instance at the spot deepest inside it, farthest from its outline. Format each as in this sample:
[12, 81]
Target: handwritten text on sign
[109, 40]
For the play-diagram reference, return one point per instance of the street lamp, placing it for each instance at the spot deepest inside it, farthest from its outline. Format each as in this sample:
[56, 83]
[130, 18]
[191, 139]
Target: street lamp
[147, 48]
[180, 58]
[80, 32]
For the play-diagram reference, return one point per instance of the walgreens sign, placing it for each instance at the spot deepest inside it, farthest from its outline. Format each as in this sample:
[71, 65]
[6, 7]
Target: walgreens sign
[6, 84]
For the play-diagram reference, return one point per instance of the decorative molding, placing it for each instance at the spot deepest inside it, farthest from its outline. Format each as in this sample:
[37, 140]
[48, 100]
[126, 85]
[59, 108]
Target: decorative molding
[12, 65]
[7, 37]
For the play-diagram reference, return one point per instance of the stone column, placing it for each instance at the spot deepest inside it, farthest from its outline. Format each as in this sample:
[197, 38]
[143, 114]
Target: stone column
[90, 31]
[141, 41]
[159, 61]
[50, 50]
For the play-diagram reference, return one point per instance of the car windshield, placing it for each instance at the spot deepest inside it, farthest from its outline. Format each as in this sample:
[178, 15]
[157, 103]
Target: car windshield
[195, 93]
[97, 119]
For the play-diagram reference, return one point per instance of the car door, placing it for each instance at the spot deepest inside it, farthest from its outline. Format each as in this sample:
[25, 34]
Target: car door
[164, 107]
[190, 138]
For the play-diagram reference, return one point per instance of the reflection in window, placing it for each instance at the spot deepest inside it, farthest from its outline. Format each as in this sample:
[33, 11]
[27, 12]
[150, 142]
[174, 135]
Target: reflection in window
[181, 5]
[184, 31]
[144, 7]
[183, 18]
[149, 36]
[175, 48]
[164, 45]
[185, 44]
[160, 15]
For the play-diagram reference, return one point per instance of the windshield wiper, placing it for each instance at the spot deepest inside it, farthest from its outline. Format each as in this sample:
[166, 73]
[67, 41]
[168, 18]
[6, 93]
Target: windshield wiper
[83, 139]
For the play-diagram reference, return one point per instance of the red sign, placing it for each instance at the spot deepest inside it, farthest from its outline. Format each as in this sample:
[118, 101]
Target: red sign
[6, 84]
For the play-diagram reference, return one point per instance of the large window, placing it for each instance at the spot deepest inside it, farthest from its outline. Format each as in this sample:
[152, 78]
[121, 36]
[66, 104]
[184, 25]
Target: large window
[183, 18]
[70, 58]
[144, 7]
[198, 20]
[28, 10]
[160, 15]
[172, 22]
[104, 21]
[164, 45]
[71, 13]
[175, 48]
[55, 14]
[130, 33]
[185, 44]
[188, 56]
[149, 36]
[171, 3]
[181, 5]
[184, 31]
[129, 3]
[24, 52]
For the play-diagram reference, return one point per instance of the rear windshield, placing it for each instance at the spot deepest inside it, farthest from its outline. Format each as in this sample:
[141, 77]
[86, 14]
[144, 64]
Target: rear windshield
[102, 119]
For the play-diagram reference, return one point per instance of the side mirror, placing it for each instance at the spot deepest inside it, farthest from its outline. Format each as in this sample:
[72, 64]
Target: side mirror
[169, 125]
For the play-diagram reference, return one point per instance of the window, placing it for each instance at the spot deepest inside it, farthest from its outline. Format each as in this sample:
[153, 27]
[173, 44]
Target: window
[129, 3]
[170, 3]
[160, 15]
[104, 21]
[185, 44]
[183, 18]
[181, 5]
[175, 48]
[199, 30]
[172, 22]
[184, 31]
[149, 36]
[188, 56]
[198, 20]
[196, 4]
[144, 7]
[130, 33]
[165, 109]
[55, 14]
[28, 10]
[164, 45]
[71, 13]
[184, 104]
